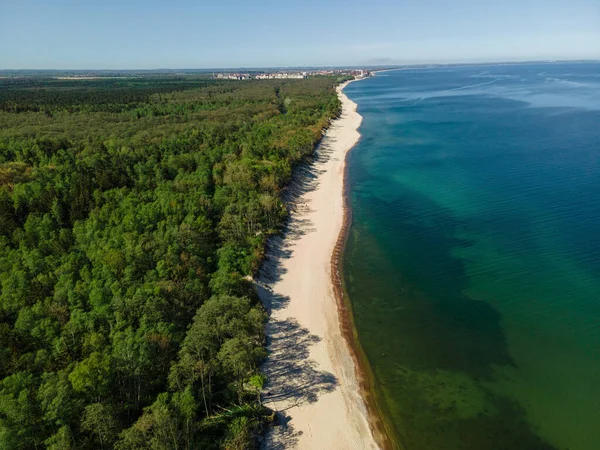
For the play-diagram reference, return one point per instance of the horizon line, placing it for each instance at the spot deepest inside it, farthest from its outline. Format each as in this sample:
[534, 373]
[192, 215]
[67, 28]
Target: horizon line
[341, 66]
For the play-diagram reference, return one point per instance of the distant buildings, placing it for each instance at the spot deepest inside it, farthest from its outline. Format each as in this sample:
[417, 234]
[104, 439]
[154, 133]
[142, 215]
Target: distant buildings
[281, 75]
[358, 73]
[232, 76]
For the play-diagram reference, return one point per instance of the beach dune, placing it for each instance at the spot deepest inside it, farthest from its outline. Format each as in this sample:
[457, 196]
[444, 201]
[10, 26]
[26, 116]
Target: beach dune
[312, 377]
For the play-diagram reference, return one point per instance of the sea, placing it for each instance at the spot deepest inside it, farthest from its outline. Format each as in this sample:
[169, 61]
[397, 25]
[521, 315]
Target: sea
[472, 265]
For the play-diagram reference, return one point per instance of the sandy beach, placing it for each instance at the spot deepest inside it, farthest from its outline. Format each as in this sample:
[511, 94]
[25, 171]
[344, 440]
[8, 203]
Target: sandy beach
[312, 376]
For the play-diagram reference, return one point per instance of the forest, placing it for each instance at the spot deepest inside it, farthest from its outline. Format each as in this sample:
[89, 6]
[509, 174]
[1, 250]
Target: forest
[133, 212]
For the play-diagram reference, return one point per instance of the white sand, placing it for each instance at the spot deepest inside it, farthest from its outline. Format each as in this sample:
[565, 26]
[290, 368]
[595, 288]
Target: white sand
[312, 375]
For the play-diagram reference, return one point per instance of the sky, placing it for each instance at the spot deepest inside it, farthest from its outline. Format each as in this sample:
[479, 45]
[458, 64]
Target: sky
[151, 34]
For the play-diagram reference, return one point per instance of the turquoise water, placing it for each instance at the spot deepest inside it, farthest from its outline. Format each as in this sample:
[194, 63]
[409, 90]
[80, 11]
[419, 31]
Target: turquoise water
[473, 261]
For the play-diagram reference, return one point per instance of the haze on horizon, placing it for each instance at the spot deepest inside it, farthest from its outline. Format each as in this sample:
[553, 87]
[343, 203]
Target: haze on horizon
[150, 34]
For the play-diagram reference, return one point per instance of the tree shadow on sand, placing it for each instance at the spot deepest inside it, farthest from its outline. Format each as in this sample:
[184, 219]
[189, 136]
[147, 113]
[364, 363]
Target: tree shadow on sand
[283, 436]
[304, 180]
[293, 378]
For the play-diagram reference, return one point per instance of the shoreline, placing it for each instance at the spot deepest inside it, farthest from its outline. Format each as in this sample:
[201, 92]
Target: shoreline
[315, 383]
[363, 369]
[364, 373]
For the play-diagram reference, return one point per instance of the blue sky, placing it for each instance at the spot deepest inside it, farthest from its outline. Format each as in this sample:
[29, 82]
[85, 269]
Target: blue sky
[136, 34]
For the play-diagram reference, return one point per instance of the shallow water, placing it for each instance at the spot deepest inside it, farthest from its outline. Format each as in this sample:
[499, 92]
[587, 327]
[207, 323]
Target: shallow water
[473, 261]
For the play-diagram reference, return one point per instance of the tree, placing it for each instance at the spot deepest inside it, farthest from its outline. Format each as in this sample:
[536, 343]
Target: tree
[157, 429]
[99, 419]
[59, 403]
[61, 440]
[92, 375]
[19, 412]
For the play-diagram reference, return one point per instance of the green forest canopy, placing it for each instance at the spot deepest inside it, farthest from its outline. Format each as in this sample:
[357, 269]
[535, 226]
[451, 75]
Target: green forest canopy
[131, 213]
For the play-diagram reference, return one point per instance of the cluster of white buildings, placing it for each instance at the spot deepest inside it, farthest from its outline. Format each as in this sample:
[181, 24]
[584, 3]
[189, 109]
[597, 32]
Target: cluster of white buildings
[261, 76]
[232, 76]
[281, 75]
[359, 73]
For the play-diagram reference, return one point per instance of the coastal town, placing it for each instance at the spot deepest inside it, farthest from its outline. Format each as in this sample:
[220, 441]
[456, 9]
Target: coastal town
[290, 74]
